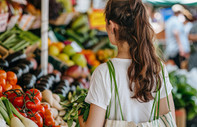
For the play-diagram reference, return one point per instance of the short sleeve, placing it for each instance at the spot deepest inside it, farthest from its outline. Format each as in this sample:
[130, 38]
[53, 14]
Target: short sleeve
[168, 84]
[99, 92]
[194, 29]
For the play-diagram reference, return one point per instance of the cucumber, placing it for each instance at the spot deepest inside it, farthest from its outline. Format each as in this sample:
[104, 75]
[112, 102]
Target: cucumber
[75, 36]
[80, 21]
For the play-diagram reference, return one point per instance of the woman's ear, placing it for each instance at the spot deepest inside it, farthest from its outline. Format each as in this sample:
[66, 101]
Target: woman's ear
[112, 26]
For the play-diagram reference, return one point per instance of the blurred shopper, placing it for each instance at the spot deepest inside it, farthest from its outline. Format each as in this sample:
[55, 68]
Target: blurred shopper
[193, 38]
[127, 99]
[188, 21]
[177, 43]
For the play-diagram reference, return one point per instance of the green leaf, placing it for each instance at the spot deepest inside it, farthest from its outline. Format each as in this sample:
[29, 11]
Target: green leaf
[85, 115]
[70, 123]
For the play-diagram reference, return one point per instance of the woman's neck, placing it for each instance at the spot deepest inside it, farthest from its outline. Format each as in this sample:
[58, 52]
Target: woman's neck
[123, 51]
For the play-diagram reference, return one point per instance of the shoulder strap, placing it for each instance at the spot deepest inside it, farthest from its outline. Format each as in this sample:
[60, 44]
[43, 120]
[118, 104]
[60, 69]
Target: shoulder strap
[113, 77]
[157, 98]
[164, 79]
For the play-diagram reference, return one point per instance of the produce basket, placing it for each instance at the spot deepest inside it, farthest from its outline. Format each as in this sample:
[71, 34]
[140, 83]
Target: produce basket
[3, 52]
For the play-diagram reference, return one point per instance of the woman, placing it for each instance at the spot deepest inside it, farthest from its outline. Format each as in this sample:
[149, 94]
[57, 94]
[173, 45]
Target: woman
[137, 68]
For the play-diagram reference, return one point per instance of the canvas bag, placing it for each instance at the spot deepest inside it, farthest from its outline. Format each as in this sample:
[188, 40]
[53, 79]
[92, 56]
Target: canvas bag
[158, 121]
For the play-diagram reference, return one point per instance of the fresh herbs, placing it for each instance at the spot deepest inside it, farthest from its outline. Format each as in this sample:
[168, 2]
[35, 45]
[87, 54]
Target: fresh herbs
[76, 101]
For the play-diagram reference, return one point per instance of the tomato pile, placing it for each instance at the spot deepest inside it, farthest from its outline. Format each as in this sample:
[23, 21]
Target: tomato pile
[29, 105]
[8, 81]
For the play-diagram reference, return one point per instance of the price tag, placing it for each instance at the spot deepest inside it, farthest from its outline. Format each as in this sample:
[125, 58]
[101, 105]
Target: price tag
[13, 21]
[3, 21]
[20, 1]
[26, 21]
[97, 19]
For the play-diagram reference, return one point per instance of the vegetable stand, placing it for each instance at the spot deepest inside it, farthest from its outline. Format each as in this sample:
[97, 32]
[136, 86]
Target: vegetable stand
[48, 83]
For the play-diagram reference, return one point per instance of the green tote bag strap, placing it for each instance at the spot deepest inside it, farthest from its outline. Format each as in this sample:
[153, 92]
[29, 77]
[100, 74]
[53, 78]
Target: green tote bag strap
[113, 78]
[157, 98]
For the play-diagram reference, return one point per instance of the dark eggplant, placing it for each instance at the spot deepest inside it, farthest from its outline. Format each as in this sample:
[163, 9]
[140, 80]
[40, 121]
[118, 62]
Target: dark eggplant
[44, 83]
[41, 87]
[38, 73]
[24, 68]
[56, 78]
[45, 79]
[76, 83]
[15, 57]
[52, 76]
[18, 71]
[27, 81]
[72, 88]
[66, 82]
[3, 63]
[60, 91]
[27, 62]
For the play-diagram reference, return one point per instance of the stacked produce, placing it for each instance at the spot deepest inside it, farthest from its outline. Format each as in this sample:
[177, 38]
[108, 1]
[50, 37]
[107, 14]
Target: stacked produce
[7, 118]
[8, 81]
[78, 31]
[17, 39]
[73, 103]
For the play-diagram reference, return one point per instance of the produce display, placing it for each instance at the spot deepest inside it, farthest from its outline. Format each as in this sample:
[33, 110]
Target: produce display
[17, 39]
[75, 102]
[183, 94]
[7, 118]
[37, 96]
[28, 98]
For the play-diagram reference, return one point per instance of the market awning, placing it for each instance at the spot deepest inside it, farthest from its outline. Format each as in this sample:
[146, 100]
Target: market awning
[172, 2]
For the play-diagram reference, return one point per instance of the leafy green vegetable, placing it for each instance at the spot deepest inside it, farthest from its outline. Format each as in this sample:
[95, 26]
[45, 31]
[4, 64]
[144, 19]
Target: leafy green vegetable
[184, 95]
[74, 102]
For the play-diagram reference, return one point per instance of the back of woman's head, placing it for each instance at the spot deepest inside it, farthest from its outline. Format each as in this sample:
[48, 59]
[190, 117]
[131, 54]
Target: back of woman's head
[134, 28]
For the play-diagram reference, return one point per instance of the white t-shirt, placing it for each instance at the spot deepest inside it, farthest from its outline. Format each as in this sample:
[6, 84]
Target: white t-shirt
[100, 92]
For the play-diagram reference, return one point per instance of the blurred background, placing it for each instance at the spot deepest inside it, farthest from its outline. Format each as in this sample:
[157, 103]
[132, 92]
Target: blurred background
[79, 26]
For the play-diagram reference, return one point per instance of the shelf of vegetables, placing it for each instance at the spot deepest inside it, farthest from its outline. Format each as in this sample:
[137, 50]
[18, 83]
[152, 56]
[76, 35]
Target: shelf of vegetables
[34, 95]
[75, 50]
[28, 90]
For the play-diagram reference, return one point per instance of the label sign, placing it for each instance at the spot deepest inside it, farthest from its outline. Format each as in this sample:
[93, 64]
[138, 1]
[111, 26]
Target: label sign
[97, 19]
[3, 21]
[26, 21]
[13, 21]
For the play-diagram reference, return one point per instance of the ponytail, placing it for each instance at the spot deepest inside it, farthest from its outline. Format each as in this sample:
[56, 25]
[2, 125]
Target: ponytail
[135, 29]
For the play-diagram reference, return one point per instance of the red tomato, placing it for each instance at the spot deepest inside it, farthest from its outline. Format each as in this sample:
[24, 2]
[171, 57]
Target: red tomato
[17, 87]
[2, 82]
[3, 74]
[11, 78]
[33, 104]
[46, 106]
[11, 95]
[7, 87]
[35, 93]
[37, 119]
[41, 111]
[18, 101]
[22, 113]
[49, 121]
[1, 89]
[48, 113]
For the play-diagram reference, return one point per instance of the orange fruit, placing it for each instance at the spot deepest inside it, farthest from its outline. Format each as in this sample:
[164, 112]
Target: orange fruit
[60, 46]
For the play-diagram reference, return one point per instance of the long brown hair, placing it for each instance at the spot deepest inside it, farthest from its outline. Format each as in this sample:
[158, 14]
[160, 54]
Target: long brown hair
[135, 29]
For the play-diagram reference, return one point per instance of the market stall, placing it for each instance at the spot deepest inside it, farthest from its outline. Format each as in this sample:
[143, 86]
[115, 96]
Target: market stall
[46, 65]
